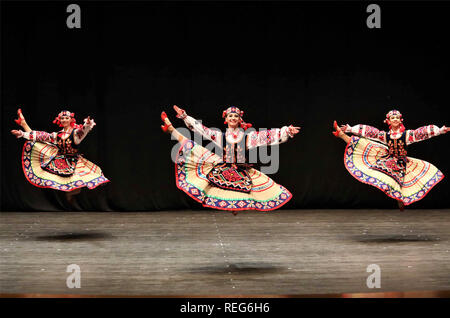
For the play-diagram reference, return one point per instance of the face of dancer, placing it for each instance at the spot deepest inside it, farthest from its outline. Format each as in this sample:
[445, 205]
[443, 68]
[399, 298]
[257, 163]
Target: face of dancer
[65, 122]
[395, 121]
[233, 120]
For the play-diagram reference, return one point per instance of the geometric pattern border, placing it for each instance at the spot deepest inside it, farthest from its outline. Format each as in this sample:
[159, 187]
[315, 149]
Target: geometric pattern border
[218, 203]
[386, 188]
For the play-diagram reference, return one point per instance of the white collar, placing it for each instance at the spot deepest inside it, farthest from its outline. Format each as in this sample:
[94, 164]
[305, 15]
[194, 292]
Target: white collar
[235, 131]
[68, 131]
[234, 135]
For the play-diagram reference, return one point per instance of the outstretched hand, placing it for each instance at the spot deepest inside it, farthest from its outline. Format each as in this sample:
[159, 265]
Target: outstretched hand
[88, 120]
[338, 129]
[446, 129]
[294, 130]
[17, 133]
[180, 112]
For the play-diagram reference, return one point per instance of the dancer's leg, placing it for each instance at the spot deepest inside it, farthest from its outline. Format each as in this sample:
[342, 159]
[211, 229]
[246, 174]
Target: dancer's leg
[21, 121]
[70, 195]
[168, 127]
[339, 133]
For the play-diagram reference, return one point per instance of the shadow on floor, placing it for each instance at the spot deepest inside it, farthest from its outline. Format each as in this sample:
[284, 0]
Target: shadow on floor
[394, 238]
[239, 268]
[73, 236]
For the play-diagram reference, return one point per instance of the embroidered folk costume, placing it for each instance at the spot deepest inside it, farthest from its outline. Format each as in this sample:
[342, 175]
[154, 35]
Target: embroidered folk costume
[228, 182]
[52, 160]
[379, 158]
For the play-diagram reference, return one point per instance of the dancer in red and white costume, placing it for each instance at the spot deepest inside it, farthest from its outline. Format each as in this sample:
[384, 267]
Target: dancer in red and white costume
[51, 160]
[379, 158]
[228, 182]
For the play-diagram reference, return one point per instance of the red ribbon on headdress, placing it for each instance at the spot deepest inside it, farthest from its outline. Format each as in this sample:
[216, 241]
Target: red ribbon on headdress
[392, 113]
[73, 122]
[234, 109]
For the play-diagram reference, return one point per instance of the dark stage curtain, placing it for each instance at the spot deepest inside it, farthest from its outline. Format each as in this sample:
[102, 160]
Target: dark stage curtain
[282, 62]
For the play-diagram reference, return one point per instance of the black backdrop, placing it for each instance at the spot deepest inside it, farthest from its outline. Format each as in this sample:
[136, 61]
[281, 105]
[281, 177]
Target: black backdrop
[281, 62]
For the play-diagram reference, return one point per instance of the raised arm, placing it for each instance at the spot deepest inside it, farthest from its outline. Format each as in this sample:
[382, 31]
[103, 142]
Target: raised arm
[423, 133]
[33, 135]
[366, 131]
[80, 133]
[196, 126]
[271, 137]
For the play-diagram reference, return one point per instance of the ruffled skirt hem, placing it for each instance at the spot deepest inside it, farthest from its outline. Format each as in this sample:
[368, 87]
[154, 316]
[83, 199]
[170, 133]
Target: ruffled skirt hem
[194, 162]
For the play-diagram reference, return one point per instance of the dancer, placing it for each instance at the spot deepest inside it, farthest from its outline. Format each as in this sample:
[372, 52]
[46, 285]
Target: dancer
[384, 163]
[51, 160]
[227, 182]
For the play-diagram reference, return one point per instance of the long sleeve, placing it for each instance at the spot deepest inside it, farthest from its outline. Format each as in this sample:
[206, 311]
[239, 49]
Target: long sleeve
[368, 132]
[423, 133]
[81, 133]
[210, 134]
[41, 136]
[269, 137]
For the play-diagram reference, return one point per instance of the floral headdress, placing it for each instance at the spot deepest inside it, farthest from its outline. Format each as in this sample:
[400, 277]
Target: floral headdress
[73, 122]
[234, 109]
[394, 112]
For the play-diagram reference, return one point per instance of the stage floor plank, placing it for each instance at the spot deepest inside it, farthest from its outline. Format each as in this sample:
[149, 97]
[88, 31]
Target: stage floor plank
[287, 252]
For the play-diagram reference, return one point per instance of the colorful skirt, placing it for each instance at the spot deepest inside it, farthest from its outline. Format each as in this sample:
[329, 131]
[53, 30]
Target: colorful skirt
[44, 168]
[408, 181]
[194, 171]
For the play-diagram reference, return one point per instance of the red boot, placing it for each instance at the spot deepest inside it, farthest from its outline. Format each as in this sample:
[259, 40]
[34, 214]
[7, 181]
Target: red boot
[19, 120]
[166, 126]
[338, 130]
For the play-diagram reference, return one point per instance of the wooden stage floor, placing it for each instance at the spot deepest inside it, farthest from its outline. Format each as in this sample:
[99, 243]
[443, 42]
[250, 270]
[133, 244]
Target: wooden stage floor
[213, 253]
